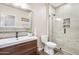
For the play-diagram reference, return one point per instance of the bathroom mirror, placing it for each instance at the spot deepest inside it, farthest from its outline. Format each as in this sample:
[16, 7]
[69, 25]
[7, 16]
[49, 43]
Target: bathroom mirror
[15, 19]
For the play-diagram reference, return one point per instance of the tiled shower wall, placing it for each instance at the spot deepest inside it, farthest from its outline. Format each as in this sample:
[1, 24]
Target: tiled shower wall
[69, 41]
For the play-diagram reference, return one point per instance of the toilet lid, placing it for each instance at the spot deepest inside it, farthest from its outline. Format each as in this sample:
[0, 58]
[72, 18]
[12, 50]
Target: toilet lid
[51, 44]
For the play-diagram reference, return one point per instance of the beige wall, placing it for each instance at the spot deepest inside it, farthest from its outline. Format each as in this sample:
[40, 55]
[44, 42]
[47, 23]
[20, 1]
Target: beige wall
[40, 19]
[69, 41]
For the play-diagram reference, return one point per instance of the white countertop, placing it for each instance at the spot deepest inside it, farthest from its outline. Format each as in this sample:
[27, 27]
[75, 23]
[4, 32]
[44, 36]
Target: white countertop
[13, 41]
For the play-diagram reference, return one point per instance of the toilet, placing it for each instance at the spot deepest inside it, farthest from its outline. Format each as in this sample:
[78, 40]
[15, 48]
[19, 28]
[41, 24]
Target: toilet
[48, 46]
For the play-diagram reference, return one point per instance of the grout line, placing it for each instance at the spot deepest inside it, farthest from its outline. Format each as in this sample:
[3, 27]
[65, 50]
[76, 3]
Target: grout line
[67, 52]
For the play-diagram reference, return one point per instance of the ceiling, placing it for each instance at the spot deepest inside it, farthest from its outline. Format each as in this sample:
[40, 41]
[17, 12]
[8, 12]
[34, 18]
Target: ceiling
[21, 6]
[56, 5]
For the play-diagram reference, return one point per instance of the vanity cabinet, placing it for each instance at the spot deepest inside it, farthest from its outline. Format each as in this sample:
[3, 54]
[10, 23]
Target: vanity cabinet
[26, 48]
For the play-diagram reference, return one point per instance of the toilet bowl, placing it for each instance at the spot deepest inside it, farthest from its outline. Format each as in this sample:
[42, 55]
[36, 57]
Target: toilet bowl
[48, 46]
[51, 44]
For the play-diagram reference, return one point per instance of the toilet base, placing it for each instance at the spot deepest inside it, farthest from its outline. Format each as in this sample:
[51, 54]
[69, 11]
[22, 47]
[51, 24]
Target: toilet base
[48, 50]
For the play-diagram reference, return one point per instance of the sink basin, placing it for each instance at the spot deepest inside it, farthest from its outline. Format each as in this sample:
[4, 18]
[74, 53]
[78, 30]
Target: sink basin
[12, 41]
[8, 40]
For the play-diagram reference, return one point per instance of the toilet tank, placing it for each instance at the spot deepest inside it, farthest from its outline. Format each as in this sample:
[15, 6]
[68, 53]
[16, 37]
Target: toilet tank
[44, 38]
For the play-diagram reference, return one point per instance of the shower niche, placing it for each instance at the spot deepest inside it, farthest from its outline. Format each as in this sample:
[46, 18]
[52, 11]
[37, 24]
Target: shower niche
[66, 24]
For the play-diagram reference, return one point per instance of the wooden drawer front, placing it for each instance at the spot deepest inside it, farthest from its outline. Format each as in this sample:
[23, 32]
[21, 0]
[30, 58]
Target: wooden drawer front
[5, 53]
[7, 50]
[32, 51]
[24, 47]
[20, 49]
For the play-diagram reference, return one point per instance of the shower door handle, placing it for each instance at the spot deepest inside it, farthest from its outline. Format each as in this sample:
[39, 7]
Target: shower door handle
[64, 30]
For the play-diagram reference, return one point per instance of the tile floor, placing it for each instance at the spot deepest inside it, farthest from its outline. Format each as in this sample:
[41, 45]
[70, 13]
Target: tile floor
[60, 52]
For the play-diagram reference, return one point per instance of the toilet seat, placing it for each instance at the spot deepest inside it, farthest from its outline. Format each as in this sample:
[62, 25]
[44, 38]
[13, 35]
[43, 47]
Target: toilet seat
[51, 44]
